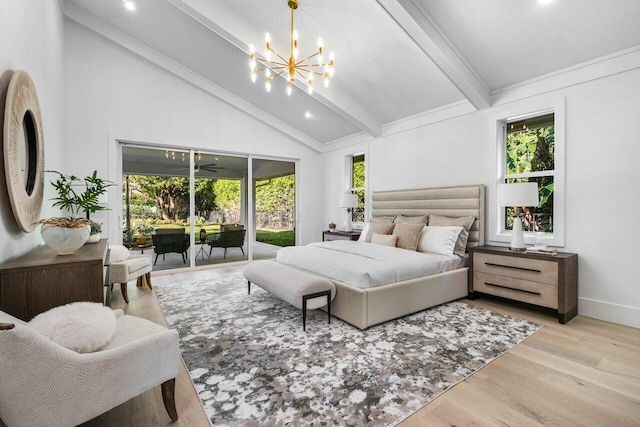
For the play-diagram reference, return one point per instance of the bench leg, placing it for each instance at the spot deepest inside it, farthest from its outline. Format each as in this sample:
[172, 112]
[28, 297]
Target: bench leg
[248, 287]
[311, 296]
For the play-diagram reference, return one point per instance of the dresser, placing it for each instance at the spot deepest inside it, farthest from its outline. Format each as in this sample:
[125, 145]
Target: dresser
[41, 279]
[542, 280]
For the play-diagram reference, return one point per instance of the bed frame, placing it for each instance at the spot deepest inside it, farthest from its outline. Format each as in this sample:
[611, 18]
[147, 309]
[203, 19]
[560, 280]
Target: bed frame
[368, 307]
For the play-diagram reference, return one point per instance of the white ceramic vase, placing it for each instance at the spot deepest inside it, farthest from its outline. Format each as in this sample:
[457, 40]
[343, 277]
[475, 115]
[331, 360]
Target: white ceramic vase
[94, 238]
[63, 240]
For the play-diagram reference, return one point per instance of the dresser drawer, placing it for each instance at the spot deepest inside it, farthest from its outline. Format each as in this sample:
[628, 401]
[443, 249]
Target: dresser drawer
[517, 267]
[542, 294]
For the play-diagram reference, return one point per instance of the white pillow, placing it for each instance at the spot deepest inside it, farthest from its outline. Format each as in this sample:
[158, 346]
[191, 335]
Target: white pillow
[118, 253]
[384, 239]
[363, 234]
[438, 240]
[83, 327]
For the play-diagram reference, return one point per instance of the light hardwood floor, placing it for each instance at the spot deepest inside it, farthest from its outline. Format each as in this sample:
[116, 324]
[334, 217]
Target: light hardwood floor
[585, 373]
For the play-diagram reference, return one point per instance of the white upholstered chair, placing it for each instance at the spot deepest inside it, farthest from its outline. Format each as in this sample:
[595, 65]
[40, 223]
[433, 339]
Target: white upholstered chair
[135, 267]
[45, 384]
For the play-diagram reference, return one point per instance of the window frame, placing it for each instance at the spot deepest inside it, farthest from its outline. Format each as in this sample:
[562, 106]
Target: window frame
[497, 233]
[349, 184]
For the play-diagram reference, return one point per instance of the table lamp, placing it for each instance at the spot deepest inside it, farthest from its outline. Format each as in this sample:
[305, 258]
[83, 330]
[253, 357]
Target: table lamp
[518, 195]
[348, 200]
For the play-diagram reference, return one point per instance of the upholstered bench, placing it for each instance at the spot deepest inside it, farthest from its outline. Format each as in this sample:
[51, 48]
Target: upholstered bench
[301, 289]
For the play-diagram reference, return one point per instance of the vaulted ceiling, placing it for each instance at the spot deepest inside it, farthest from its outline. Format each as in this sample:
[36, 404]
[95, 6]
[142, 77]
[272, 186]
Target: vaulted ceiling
[394, 58]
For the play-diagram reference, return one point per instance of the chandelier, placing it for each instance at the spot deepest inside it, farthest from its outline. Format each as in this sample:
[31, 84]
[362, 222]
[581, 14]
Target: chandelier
[305, 68]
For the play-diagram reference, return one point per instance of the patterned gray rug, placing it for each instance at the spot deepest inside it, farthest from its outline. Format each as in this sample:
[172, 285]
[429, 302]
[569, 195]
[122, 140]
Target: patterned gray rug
[253, 365]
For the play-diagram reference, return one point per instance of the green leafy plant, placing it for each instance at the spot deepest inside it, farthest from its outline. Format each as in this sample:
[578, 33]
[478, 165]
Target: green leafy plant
[96, 228]
[72, 199]
[144, 229]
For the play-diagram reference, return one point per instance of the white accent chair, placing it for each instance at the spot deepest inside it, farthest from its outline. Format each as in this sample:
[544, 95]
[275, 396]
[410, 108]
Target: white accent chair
[45, 384]
[136, 267]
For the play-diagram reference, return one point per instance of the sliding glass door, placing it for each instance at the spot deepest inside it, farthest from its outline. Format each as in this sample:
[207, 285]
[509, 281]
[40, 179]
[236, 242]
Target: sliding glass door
[274, 199]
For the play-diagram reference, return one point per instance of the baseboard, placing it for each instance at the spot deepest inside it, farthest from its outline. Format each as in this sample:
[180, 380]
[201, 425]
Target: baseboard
[616, 313]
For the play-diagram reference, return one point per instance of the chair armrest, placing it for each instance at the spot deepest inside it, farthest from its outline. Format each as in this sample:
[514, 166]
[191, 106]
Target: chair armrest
[6, 326]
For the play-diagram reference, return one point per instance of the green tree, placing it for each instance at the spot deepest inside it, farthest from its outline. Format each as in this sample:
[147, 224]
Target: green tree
[227, 193]
[205, 195]
[170, 194]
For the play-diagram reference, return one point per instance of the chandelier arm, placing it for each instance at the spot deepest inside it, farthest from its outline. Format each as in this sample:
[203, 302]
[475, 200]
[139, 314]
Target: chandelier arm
[278, 55]
[307, 58]
[301, 75]
[281, 72]
[278, 67]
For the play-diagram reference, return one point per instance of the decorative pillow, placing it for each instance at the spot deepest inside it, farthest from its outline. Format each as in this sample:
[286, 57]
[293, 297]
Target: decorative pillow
[118, 253]
[378, 228]
[384, 219]
[419, 219]
[384, 239]
[363, 234]
[438, 240]
[466, 222]
[408, 235]
[83, 327]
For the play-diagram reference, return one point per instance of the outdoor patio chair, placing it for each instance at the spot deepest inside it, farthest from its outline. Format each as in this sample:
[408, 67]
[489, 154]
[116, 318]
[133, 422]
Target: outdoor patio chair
[230, 236]
[171, 240]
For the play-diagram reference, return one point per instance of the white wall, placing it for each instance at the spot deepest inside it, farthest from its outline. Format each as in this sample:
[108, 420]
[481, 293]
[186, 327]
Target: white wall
[110, 92]
[602, 173]
[31, 39]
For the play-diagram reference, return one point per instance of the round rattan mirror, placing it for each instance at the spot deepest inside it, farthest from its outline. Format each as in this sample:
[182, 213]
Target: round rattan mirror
[24, 150]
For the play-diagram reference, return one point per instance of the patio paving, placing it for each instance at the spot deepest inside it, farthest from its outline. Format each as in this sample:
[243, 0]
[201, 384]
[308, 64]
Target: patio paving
[173, 261]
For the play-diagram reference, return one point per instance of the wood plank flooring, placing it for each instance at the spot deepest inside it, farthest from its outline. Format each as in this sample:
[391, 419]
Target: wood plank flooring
[585, 373]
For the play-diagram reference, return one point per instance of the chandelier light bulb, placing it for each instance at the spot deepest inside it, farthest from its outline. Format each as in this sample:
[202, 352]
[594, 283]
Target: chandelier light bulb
[252, 49]
[289, 89]
[253, 76]
[267, 38]
[310, 87]
[295, 35]
[267, 73]
[326, 80]
[268, 84]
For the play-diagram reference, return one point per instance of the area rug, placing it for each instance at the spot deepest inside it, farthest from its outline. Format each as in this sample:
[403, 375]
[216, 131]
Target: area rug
[253, 365]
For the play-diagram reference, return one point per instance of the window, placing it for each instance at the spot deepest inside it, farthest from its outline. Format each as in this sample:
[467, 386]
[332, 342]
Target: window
[357, 186]
[530, 157]
[530, 148]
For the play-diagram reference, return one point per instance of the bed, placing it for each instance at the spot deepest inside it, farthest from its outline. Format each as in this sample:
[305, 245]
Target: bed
[368, 306]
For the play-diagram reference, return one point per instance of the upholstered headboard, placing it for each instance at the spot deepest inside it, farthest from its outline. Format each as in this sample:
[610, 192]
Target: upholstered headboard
[448, 201]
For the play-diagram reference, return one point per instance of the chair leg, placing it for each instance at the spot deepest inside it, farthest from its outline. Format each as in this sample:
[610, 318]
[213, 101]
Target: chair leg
[148, 278]
[242, 250]
[225, 253]
[183, 261]
[169, 398]
[123, 287]
[139, 282]
[154, 262]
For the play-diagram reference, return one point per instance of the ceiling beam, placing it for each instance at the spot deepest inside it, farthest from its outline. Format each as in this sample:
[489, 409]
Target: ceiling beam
[238, 35]
[415, 21]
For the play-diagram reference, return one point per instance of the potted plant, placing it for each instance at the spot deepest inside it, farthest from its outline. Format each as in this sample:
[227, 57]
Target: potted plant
[66, 235]
[144, 230]
[94, 234]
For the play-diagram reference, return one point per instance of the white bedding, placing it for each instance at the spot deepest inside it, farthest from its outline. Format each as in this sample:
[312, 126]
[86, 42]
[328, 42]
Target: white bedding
[364, 265]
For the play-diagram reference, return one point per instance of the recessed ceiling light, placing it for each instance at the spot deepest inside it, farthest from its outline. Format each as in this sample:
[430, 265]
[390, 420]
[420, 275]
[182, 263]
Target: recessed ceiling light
[129, 5]
[308, 115]
[545, 1]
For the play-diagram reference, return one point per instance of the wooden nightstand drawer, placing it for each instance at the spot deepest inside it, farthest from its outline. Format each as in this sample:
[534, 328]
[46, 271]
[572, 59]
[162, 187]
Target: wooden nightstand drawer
[518, 268]
[521, 290]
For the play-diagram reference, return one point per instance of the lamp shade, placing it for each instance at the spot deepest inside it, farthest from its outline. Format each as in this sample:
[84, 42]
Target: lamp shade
[519, 194]
[348, 200]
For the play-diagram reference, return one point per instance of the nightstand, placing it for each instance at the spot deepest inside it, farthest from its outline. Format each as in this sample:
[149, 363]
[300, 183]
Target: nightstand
[542, 280]
[340, 235]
